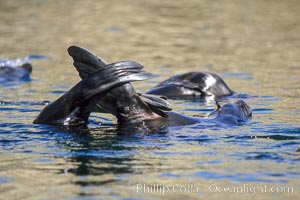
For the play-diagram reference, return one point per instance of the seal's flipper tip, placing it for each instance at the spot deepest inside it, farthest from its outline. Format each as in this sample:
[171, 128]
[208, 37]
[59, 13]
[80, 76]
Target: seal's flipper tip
[85, 61]
[82, 54]
[143, 75]
[76, 51]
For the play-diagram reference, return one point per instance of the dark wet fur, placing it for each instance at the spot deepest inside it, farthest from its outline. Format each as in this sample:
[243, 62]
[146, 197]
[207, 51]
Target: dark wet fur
[192, 84]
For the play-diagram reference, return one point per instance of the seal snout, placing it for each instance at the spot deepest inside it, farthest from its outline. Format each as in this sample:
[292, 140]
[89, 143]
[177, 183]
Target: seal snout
[245, 108]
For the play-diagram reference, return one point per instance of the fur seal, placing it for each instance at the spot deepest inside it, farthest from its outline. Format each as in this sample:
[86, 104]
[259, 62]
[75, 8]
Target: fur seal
[106, 88]
[75, 106]
[18, 69]
[193, 84]
[15, 69]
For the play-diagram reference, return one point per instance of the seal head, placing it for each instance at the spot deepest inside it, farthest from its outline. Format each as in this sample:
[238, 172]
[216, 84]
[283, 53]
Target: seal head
[232, 113]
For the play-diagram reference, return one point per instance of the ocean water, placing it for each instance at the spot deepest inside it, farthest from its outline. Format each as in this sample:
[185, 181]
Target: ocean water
[254, 46]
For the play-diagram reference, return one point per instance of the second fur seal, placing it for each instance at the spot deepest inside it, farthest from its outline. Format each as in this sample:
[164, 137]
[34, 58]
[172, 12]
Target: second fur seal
[193, 84]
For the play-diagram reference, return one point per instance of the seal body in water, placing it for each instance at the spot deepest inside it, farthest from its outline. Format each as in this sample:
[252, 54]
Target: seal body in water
[18, 69]
[193, 84]
[106, 88]
[15, 69]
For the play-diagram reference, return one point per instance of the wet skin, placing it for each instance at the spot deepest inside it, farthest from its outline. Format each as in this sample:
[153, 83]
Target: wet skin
[193, 84]
[106, 88]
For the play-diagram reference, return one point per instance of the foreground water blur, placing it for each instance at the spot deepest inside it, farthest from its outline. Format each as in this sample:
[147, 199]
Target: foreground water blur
[253, 45]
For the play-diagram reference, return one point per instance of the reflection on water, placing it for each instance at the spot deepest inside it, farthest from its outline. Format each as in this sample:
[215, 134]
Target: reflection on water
[253, 45]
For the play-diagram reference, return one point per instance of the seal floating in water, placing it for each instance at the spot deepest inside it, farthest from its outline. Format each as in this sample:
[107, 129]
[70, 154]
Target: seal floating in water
[15, 69]
[18, 69]
[106, 88]
[193, 84]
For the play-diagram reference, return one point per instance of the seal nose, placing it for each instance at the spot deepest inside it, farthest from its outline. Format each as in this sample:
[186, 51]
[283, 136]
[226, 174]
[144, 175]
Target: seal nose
[27, 66]
[245, 108]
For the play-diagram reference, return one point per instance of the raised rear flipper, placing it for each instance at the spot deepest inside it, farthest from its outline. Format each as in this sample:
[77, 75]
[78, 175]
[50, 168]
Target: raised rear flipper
[85, 61]
[122, 101]
[113, 75]
[69, 107]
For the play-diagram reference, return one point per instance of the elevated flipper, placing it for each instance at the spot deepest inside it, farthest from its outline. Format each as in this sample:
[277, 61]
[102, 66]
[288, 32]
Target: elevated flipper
[85, 61]
[113, 75]
[122, 101]
[69, 106]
